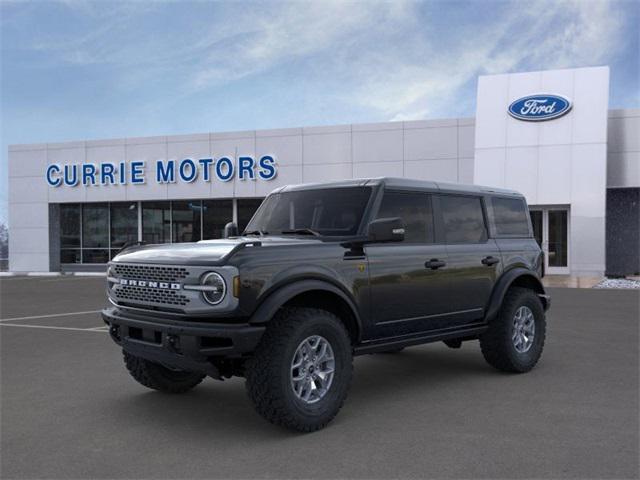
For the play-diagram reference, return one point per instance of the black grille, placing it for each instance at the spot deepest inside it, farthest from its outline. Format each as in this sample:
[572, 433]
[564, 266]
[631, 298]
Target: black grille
[152, 273]
[150, 295]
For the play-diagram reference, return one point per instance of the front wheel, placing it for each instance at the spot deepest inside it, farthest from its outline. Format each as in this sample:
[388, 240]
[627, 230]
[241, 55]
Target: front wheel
[515, 338]
[300, 373]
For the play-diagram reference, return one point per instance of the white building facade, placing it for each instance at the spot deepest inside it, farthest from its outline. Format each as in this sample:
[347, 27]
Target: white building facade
[547, 134]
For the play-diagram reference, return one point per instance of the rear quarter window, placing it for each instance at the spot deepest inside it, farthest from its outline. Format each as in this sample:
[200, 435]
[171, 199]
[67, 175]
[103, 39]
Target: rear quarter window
[463, 219]
[510, 217]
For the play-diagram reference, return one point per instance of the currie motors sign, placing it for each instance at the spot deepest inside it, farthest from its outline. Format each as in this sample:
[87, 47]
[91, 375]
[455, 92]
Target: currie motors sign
[540, 107]
[187, 170]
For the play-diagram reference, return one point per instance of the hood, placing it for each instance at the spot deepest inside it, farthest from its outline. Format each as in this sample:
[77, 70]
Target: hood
[205, 252]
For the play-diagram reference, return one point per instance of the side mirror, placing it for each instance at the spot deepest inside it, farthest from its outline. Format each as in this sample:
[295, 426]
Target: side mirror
[230, 230]
[386, 230]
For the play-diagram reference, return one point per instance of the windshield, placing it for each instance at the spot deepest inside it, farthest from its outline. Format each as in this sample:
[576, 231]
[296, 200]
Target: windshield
[326, 212]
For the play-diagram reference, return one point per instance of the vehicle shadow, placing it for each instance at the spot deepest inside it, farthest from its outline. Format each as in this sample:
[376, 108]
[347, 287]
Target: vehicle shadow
[223, 408]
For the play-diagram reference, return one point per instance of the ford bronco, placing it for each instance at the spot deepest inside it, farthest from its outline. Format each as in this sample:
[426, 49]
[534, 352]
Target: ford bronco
[324, 272]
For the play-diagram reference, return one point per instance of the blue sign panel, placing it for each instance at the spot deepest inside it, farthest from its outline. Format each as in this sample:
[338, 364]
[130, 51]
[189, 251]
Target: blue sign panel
[536, 108]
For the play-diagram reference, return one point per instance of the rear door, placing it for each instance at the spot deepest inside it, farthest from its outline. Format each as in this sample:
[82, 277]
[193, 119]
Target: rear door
[407, 295]
[474, 260]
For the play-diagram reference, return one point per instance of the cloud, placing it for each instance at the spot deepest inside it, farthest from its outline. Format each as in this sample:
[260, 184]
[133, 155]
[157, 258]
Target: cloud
[401, 60]
[535, 35]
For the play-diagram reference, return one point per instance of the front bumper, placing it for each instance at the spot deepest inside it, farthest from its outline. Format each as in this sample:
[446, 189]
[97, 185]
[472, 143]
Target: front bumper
[186, 345]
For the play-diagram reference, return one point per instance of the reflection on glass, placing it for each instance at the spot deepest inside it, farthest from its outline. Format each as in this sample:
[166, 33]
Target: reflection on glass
[536, 221]
[156, 222]
[557, 238]
[70, 255]
[463, 219]
[415, 211]
[217, 213]
[246, 208]
[186, 221]
[69, 226]
[95, 225]
[95, 255]
[124, 224]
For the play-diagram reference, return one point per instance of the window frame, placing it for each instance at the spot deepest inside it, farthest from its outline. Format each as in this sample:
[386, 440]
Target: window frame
[483, 208]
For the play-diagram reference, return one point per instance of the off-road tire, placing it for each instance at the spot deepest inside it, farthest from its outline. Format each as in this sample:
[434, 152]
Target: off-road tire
[496, 344]
[268, 372]
[157, 377]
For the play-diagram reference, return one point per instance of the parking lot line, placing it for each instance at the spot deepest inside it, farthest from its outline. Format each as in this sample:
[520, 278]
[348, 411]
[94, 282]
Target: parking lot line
[34, 317]
[51, 327]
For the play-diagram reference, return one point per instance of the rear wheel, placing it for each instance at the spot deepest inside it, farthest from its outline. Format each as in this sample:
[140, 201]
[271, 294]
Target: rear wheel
[300, 373]
[161, 378]
[515, 338]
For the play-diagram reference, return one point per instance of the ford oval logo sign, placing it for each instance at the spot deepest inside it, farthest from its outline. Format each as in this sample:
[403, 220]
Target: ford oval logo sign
[536, 108]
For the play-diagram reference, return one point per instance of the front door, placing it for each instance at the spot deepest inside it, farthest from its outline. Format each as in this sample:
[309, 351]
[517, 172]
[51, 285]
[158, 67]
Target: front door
[408, 280]
[551, 231]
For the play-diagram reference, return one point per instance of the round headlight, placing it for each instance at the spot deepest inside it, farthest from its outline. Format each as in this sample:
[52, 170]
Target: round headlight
[215, 288]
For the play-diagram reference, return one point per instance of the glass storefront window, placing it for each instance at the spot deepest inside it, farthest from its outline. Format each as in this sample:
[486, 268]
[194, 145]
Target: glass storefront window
[124, 224]
[95, 225]
[95, 232]
[69, 226]
[217, 213]
[186, 221]
[246, 208]
[156, 222]
[70, 255]
[95, 255]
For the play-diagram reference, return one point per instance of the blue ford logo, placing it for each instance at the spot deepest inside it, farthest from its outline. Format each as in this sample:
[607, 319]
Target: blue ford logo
[536, 108]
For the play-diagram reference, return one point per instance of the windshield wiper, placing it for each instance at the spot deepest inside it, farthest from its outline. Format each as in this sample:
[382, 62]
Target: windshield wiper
[255, 232]
[301, 231]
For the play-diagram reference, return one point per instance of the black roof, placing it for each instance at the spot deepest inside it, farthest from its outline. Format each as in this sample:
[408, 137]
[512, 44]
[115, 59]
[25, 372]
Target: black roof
[395, 182]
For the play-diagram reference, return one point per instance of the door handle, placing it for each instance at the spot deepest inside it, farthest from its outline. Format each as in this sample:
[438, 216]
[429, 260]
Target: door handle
[434, 264]
[488, 261]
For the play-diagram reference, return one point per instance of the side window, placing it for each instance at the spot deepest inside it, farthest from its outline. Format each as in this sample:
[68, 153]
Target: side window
[414, 209]
[463, 219]
[510, 216]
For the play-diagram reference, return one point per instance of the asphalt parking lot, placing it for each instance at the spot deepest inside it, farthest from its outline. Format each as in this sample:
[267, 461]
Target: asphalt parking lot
[70, 410]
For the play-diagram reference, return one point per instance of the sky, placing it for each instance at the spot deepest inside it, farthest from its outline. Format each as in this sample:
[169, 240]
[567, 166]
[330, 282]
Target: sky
[74, 70]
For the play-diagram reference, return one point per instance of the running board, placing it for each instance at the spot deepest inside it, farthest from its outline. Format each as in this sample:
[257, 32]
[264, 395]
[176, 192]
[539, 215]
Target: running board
[420, 338]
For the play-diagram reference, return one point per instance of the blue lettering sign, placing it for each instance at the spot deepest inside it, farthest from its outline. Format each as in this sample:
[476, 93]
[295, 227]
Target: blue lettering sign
[186, 170]
[51, 180]
[188, 174]
[165, 174]
[267, 168]
[106, 173]
[137, 172]
[223, 164]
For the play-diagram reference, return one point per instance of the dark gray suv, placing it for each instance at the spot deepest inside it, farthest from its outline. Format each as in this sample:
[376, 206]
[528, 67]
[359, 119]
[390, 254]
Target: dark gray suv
[324, 272]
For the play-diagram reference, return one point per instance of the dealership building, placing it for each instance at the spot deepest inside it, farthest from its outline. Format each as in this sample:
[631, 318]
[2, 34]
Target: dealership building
[549, 135]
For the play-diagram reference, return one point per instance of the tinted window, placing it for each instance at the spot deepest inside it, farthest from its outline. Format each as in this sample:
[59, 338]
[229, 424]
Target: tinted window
[185, 218]
[217, 213]
[95, 225]
[328, 211]
[156, 222]
[69, 226]
[510, 216]
[124, 224]
[246, 208]
[463, 219]
[415, 211]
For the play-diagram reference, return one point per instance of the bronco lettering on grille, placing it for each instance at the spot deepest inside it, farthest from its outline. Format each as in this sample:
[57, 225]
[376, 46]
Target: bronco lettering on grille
[150, 284]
